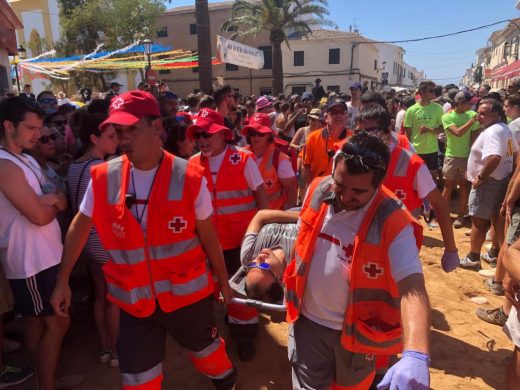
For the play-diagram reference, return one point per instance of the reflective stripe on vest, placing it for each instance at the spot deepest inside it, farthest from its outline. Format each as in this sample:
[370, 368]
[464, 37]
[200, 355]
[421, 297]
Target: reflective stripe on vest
[142, 377]
[190, 287]
[159, 252]
[387, 207]
[300, 265]
[274, 196]
[114, 178]
[129, 297]
[322, 190]
[373, 295]
[210, 349]
[403, 162]
[351, 331]
[121, 256]
[290, 296]
[177, 179]
[222, 195]
[236, 208]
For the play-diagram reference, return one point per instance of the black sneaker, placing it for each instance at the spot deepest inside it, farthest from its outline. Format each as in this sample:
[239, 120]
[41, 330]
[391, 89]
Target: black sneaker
[246, 351]
[492, 316]
[13, 375]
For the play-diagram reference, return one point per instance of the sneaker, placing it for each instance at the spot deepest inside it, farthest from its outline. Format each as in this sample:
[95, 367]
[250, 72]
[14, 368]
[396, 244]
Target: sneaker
[492, 316]
[104, 356]
[114, 359]
[13, 375]
[246, 351]
[11, 346]
[489, 258]
[469, 264]
[487, 273]
[495, 287]
[458, 223]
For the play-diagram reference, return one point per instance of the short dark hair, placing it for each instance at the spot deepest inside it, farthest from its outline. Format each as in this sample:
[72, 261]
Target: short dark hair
[192, 100]
[367, 146]
[408, 102]
[373, 97]
[273, 294]
[437, 90]
[14, 109]
[426, 83]
[514, 99]
[42, 93]
[221, 92]
[88, 124]
[207, 102]
[373, 111]
[176, 132]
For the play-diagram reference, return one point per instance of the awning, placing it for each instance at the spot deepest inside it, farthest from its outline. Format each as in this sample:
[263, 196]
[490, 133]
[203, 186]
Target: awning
[507, 72]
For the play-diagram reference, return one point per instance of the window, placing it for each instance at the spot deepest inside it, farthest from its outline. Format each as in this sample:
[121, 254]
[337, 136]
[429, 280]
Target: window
[231, 67]
[333, 56]
[298, 89]
[334, 88]
[193, 29]
[232, 28]
[162, 32]
[164, 71]
[195, 69]
[268, 56]
[299, 58]
[375, 64]
[266, 91]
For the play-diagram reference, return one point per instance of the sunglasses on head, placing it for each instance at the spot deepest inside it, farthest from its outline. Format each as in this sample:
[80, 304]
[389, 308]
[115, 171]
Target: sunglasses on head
[202, 135]
[253, 133]
[365, 158]
[44, 139]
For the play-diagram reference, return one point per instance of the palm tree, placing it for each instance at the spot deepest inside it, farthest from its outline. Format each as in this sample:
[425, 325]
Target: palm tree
[204, 45]
[280, 18]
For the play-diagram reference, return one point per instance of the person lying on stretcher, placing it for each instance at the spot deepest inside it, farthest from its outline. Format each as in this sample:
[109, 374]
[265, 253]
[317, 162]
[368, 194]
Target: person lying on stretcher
[267, 244]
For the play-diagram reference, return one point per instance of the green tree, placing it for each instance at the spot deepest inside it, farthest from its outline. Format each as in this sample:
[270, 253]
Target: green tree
[204, 45]
[115, 23]
[279, 18]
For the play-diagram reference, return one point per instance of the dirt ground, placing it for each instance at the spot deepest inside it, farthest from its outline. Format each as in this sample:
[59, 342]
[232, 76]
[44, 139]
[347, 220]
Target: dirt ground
[466, 352]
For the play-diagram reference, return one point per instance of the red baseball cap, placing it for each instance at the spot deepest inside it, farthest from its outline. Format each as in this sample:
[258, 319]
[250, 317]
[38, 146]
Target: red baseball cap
[259, 122]
[130, 107]
[209, 121]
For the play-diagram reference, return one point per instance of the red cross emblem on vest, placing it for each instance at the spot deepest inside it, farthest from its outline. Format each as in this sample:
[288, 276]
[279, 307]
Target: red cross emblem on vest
[373, 271]
[269, 183]
[235, 158]
[177, 224]
[400, 194]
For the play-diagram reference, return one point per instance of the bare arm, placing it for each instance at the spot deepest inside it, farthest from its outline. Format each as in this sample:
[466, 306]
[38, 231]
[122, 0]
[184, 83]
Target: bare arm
[490, 164]
[460, 131]
[443, 217]
[17, 190]
[261, 198]
[295, 143]
[408, 132]
[74, 242]
[263, 217]
[211, 245]
[415, 313]
[290, 187]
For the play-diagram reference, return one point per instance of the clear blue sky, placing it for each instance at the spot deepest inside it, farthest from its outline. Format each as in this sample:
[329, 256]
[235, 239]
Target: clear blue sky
[443, 59]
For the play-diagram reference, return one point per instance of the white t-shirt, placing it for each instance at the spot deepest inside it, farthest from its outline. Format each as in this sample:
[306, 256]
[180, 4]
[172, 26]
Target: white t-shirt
[26, 249]
[399, 119]
[327, 290]
[423, 181]
[284, 171]
[496, 140]
[514, 126]
[446, 107]
[251, 172]
[142, 185]
[352, 113]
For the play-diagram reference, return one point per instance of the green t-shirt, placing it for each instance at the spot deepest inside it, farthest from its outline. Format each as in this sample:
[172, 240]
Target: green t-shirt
[458, 146]
[429, 116]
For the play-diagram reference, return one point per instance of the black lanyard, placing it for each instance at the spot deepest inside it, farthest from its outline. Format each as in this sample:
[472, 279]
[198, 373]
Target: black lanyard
[138, 201]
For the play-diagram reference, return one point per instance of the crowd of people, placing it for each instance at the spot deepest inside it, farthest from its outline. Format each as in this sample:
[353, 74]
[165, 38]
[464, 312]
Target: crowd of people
[310, 201]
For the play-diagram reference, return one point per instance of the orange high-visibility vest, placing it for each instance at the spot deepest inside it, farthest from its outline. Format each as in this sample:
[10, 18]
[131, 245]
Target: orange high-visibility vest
[403, 142]
[400, 176]
[269, 170]
[167, 264]
[233, 201]
[372, 317]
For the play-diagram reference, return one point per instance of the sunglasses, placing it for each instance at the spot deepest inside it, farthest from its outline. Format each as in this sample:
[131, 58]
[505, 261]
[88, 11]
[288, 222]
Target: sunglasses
[263, 267]
[48, 101]
[370, 129]
[361, 157]
[256, 134]
[202, 135]
[44, 139]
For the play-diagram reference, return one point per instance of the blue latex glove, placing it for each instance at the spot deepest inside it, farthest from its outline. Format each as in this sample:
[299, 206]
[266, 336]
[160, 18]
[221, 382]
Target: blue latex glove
[409, 373]
[450, 260]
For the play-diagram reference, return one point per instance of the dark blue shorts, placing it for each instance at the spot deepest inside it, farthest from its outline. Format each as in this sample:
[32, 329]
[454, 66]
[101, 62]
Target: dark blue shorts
[33, 295]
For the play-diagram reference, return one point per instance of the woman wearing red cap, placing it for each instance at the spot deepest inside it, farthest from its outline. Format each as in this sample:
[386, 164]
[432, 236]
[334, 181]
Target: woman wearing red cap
[275, 166]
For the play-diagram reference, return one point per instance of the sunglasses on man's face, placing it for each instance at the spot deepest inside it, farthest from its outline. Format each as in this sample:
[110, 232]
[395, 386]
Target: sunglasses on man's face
[256, 134]
[48, 101]
[202, 135]
[44, 139]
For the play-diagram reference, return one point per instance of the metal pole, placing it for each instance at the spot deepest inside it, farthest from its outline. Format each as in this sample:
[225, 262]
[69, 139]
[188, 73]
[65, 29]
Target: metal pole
[149, 62]
[17, 78]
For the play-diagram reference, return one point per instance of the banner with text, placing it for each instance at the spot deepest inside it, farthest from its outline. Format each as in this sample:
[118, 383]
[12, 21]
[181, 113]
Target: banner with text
[236, 53]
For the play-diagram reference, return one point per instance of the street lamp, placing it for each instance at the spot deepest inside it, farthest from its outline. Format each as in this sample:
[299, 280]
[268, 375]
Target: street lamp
[147, 43]
[22, 54]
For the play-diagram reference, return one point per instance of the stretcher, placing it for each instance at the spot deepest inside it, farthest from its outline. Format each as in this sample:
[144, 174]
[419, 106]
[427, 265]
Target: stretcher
[260, 305]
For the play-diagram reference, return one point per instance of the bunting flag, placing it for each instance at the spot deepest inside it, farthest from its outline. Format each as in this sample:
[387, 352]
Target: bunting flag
[127, 58]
